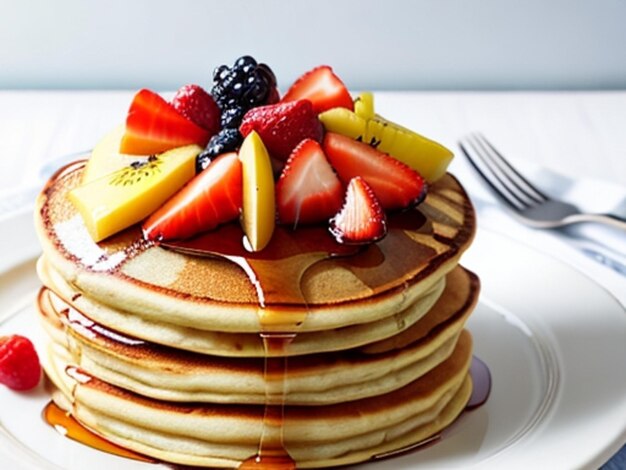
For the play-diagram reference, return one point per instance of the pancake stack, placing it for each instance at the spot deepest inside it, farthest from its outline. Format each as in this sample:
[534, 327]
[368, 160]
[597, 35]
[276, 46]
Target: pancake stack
[197, 357]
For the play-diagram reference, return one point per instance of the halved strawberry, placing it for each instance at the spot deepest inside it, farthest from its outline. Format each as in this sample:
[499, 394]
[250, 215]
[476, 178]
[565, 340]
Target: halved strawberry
[282, 126]
[395, 184]
[308, 189]
[361, 219]
[154, 126]
[211, 198]
[323, 88]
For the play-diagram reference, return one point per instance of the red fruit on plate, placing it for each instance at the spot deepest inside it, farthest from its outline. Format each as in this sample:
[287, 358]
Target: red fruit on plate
[282, 126]
[154, 126]
[361, 219]
[322, 88]
[19, 363]
[395, 184]
[193, 102]
[308, 190]
[213, 197]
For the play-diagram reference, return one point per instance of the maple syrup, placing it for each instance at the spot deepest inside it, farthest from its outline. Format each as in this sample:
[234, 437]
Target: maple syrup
[67, 426]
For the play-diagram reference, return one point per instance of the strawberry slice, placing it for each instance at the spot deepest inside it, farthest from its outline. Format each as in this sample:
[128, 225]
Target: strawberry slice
[323, 88]
[361, 219]
[211, 198]
[282, 126]
[154, 126]
[395, 184]
[308, 190]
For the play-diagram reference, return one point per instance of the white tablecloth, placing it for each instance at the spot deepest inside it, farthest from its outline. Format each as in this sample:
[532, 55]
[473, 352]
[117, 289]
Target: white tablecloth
[578, 135]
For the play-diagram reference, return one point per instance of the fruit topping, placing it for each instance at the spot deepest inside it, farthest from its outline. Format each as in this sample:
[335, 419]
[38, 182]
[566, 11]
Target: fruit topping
[322, 87]
[395, 184]
[258, 211]
[153, 126]
[429, 158]
[240, 88]
[193, 102]
[282, 126]
[114, 202]
[361, 219]
[210, 199]
[105, 157]
[364, 105]
[19, 363]
[226, 140]
[308, 190]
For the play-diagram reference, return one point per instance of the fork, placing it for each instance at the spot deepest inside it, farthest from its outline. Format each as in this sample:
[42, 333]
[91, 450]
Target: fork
[527, 202]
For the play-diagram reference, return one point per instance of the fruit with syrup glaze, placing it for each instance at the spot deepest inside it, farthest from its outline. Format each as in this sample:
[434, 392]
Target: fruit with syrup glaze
[19, 363]
[361, 219]
[322, 88]
[282, 126]
[258, 210]
[210, 199]
[308, 190]
[116, 201]
[396, 185]
[429, 158]
[153, 126]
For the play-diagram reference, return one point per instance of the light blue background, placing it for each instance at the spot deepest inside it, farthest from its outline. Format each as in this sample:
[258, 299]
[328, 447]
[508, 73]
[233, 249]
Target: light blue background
[392, 44]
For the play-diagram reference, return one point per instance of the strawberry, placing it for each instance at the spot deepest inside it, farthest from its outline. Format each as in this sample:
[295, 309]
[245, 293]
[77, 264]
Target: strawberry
[323, 88]
[211, 198]
[282, 126]
[308, 189]
[19, 363]
[361, 219]
[395, 184]
[198, 106]
[154, 126]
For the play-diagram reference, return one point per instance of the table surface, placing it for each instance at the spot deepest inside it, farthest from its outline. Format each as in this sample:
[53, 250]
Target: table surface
[577, 134]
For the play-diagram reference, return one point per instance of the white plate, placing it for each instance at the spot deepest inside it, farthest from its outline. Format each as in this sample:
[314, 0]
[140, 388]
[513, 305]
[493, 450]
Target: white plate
[554, 340]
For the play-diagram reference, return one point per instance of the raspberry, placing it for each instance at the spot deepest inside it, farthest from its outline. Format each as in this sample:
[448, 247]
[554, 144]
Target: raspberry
[19, 363]
[198, 106]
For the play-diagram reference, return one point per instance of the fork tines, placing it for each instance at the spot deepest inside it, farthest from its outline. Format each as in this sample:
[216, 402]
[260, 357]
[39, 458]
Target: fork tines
[506, 181]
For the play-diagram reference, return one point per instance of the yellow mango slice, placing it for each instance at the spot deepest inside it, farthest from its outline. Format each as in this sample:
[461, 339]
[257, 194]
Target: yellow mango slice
[113, 202]
[259, 211]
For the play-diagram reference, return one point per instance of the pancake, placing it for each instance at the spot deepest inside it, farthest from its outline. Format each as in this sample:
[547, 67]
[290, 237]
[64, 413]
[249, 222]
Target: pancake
[197, 352]
[235, 344]
[168, 373]
[224, 435]
[212, 293]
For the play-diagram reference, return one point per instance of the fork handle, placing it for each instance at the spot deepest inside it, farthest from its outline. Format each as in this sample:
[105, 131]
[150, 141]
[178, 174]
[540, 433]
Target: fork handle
[606, 219]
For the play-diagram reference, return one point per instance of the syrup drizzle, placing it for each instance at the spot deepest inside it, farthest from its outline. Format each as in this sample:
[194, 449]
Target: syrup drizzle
[67, 426]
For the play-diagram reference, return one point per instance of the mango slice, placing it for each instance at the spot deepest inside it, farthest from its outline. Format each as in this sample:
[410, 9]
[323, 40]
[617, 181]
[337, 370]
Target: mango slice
[113, 202]
[258, 211]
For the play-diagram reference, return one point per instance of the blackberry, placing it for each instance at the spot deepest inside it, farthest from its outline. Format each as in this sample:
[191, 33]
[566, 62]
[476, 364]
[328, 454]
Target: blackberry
[226, 140]
[241, 87]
